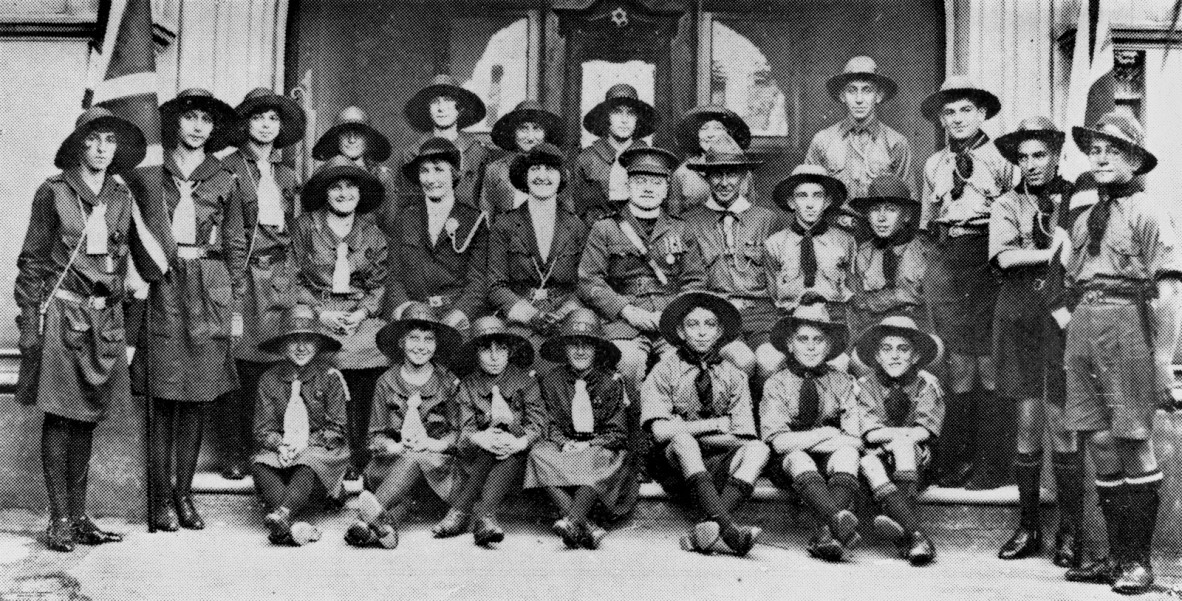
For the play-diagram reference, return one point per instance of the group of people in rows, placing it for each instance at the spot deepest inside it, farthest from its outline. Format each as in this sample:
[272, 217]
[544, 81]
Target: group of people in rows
[484, 324]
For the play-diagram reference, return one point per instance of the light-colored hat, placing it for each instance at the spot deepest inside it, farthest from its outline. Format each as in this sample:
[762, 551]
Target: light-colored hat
[1121, 130]
[862, 68]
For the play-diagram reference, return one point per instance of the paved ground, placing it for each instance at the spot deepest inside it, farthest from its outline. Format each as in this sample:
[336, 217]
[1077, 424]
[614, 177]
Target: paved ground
[232, 560]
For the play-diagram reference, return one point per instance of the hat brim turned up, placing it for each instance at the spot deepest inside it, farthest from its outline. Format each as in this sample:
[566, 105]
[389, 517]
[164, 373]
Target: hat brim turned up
[315, 192]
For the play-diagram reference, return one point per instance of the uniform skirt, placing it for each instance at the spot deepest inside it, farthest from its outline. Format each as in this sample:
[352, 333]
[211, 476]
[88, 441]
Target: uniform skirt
[264, 311]
[961, 290]
[441, 471]
[594, 466]
[329, 465]
[83, 360]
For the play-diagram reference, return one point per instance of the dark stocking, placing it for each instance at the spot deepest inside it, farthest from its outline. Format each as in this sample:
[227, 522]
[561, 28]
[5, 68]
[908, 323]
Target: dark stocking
[735, 493]
[303, 487]
[361, 383]
[190, 423]
[398, 484]
[845, 489]
[163, 420]
[478, 471]
[236, 413]
[269, 482]
[895, 505]
[1112, 496]
[55, 443]
[561, 499]
[504, 476]
[81, 435]
[1069, 475]
[585, 499]
[1028, 469]
[815, 491]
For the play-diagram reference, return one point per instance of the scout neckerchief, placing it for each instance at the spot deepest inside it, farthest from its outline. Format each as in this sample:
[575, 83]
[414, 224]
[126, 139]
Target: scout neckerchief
[412, 422]
[809, 409]
[636, 241]
[858, 136]
[295, 418]
[582, 416]
[184, 217]
[887, 260]
[808, 247]
[1041, 228]
[499, 412]
[269, 195]
[703, 384]
[1098, 218]
[729, 216]
[897, 402]
[963, 163]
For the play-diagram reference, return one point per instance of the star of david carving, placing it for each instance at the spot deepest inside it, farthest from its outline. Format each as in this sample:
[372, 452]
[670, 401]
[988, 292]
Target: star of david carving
[620, 17]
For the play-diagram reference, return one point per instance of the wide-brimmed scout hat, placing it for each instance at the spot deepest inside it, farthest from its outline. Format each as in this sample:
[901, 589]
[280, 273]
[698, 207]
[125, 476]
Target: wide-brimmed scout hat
[315, 192]
[488, 329]
[301, 321]
[582, 325]
[225, 120]
[861, 68]
[722, 155]
[440, 149]
[811, 312]
[542, 154]
[596, 120]
[290, 113]
[1030, 128]
[504, 131]
[419, 316]
[816, 174]
[927, 347]
[886, 188]
[1122, 131]
[728, 316]
[377, 145]
[131, 146]
[955, 88]
[418, 108]
[692, 121]
[648, 160]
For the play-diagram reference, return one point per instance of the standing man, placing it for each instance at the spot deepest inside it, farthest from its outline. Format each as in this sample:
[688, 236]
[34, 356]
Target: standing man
[444, 109]
[621, 122]
[1126, 269]
[859, 148]
[961, 182]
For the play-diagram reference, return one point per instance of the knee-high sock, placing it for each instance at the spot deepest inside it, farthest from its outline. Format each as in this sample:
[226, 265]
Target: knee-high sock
[735, 493]
[561, 499]
[190, 425]
[361, 383]
[811, 486]
[269, 482]
[701, 486]
[905, 481]
[845, 489]
[465, 498]
[504, 477]
[163, 426]
[1069, 475]
[55, 436]
[585, 499]
[1028, 469]
[995, 430]
[1112, 496]
[894, 504]
[397, 485]
[236, 413]
[302, 488]
[81, 436]
[1144, 500]
[953, 441]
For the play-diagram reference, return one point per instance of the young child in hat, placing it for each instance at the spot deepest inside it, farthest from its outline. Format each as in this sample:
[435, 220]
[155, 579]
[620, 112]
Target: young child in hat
[414, 427]
[443, 109]
[299, 426]
[516, 132]
[501, 417]
[808, 417]
[580, 461]
[699, 129]
[620, 122]
[900, 410]
[697, 410]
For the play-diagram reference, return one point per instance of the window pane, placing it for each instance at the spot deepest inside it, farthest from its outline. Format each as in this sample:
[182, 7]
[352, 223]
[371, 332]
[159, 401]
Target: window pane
[490, 56]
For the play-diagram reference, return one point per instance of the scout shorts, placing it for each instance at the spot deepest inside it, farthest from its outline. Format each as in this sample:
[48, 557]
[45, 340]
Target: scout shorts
[961, 288]
[662, 467]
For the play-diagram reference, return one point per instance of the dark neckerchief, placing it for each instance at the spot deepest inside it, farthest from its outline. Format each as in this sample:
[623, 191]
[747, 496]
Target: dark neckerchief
[808, 248]
[1098, 219]
[964, 160]
[890, 260]
[1041, 229]
[810, 398]
[702, 381]
[897, 402]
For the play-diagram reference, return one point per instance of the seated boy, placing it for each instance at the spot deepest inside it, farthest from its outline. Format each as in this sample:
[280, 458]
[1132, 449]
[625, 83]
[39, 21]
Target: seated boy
[697, 409]
[900, 410]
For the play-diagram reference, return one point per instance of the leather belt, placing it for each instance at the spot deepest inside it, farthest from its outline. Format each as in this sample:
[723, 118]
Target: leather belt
[639, 286]
[266, 261]
[956, 231]
[1100, 296]
[94, 302]
[192, 253]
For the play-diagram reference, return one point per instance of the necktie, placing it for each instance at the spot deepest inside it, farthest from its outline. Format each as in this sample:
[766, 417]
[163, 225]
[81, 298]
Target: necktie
[705, 388]
[184, 218]
[499, 413]
[270, 197]
[295, 419]
[617, 182]
[96, 230]
[412, 422]
[581, 415]
[808, 249]
[964, 161]
[1098, 220]
[898, 405]
[888, 261]
[340, 271]
[728, 229]
[810, 401]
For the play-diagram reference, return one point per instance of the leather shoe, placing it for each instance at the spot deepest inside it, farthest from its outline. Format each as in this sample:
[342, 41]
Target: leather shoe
[1135, 578]
[87, 532]
[279, 523]
[845, 529]
[823, 546]
[1068, 550]
[568, 531]
[1024, 543]
[957, 476]
[163, 515]
[592, 536]
[59, 536]
[186, 511]
[487, 531]
[710, 538]
[234, 471]
[360, 534]
[1103, 571]
[922, 550]
[455, 523]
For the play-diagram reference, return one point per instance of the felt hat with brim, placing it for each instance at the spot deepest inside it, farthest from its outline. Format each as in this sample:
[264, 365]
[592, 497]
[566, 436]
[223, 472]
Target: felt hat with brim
[927, 347]
[959, 87]
[301, 321]
[542, 154]
[695, 118]
[597, 120]
[504, 131]
[724, 154]
[130, 144]
[811, 313]
[582, 325]
[418, 108]
[290, 113]
[886, 188]
[648, 160]
[418, 316]
[806, 174]
[315, 192]
[1120, 130]
[1030, 128]
[861, 68]
[486, 330]
[225, 120]
[728, 316]
[377, 145]
[434, 149]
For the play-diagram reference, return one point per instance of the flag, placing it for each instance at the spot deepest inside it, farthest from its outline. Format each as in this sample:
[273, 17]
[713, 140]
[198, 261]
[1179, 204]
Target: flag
[1090, 93]
[126, 64]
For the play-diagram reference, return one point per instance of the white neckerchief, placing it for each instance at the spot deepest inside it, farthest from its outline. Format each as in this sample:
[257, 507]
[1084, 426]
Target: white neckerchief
[543, 214]
[295, 419]
[270, 196]
[96, 230]
[499, 412]
[437, 212]
[582, 416]
[739, 205]
[341, 272]
[184, 218]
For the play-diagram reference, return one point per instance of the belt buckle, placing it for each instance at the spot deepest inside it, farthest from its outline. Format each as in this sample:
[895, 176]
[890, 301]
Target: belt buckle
[539, 294]
[435, 301]
[1092, 296]
[96, 302]
[956, 231]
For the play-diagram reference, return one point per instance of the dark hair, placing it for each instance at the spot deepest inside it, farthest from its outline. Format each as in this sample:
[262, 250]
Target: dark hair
[170, 129]
[244, 124]
[74, 152]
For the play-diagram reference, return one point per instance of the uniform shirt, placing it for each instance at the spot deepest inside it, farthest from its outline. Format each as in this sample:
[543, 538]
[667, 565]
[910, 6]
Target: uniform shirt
[263, 240]
[592, 174]
[781, 262]
[521, 392]
[669, 393]
[438, 411]
[420, 270]
[926, 411]
[607, 407]
[1140, 244]
[322, 387]
[992, 176]
[1011, 226]
[218, 211]
[515, 267]
[856, 154]
[475, 155]
[737, 272]
[869, 284]
[316, 257]
[779, 409]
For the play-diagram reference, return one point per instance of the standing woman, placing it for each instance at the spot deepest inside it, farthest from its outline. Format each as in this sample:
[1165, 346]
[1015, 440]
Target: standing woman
[194, 312]
[267, 192]
[69, 284]
[355, 139]
[698, 130]
[340, 255]
[518, 131]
